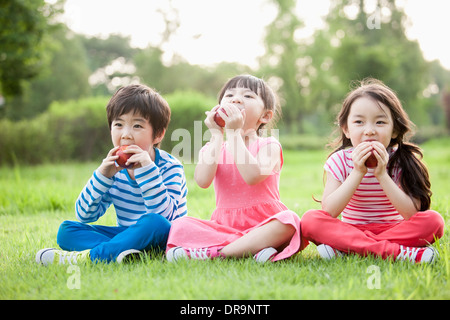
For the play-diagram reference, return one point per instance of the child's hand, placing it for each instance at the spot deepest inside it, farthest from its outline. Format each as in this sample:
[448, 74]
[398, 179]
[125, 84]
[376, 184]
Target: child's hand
[364, 150]
[234, 117]
[209, 121]
[380, 152]
[108, 167]
[140, 158]
[359, 156]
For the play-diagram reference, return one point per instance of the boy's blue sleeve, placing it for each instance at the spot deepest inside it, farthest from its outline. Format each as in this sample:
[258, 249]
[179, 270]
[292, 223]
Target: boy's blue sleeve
[164, 189]
[94, 199]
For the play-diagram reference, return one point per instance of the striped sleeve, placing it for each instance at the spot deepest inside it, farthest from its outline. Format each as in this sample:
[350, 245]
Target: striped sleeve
[336, 164]
[94, 199]
[164, 189]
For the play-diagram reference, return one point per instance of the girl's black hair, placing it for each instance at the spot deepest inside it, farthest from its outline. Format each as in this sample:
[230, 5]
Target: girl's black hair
[261, 88]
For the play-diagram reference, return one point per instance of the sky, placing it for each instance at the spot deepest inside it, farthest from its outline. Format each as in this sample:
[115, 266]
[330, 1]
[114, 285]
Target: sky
[212, 31]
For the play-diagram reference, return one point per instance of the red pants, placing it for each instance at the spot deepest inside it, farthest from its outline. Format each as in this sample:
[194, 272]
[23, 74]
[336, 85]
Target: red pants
[379, 239]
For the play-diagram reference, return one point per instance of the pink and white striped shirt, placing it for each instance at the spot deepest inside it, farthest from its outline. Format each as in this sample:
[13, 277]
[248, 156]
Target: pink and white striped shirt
[369, 203]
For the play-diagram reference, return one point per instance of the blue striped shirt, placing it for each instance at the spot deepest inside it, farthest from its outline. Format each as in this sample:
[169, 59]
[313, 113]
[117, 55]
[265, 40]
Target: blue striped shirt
[158, 188]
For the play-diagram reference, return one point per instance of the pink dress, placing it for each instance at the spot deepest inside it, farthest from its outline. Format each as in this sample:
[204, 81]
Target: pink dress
[239, 209]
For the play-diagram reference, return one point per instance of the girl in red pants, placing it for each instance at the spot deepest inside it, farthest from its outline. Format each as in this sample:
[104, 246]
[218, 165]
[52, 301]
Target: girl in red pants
[377, 181]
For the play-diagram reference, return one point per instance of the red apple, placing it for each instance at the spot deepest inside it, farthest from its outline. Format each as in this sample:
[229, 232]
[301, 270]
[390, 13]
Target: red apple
[372, 161]
[218, 119]
[123, 157]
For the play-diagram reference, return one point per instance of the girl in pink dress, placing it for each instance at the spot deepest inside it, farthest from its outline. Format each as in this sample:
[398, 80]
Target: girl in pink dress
[249, 218]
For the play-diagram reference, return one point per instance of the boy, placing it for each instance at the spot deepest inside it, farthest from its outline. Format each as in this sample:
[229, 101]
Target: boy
[147, 195]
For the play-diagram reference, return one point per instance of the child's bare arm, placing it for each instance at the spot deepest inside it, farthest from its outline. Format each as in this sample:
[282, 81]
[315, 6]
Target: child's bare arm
[336, 195]
[253, 169]
[206, 167]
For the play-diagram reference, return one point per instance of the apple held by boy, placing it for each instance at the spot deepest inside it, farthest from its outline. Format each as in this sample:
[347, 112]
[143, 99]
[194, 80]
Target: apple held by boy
[123, 157]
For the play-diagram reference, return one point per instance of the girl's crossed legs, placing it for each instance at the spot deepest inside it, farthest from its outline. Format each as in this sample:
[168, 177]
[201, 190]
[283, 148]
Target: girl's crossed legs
[383, 240]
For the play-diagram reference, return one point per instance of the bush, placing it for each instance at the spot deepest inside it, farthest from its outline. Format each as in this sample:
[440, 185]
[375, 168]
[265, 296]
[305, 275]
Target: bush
[74, 130]
[23, 141]
[78, 130]
[187, 122]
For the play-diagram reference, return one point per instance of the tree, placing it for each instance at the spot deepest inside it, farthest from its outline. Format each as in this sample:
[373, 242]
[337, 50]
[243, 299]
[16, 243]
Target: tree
[374, 44]
[110, 61]
[281, 61]
[64, 76]
[101, 52]
[24, 24]
[358, 42]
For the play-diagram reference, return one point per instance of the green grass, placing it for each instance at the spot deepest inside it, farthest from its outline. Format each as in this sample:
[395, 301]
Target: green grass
[35, 200]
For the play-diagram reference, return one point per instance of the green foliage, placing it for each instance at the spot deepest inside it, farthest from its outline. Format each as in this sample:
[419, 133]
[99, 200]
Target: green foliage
[280, 61]
[180, 75]
[78, 130]
[24, 24]
[381, 50]
[101, 52]
[186, 126]
[312, 75]
[65, 77]
[74, 130]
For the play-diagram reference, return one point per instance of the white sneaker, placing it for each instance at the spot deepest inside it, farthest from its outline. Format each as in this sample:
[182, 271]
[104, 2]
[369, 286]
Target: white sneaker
[130, 255]
[327, 252]
[417, 255]
[53, 256]
[266, 254]
[177, 253]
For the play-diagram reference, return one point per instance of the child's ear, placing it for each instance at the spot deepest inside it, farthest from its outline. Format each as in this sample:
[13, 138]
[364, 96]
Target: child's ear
[345, 130]
[394, 134]
[159, 138]
[267, 116]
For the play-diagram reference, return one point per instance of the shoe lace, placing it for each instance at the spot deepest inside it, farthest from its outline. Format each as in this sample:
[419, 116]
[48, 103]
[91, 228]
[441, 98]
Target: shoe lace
[407, 253]
[69, 257]
[199, 253]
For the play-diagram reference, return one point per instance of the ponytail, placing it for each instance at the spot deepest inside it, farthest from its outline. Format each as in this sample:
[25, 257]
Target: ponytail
[414, 179]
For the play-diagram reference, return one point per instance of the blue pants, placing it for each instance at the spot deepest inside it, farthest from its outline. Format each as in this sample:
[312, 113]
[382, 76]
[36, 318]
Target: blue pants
[106, 243]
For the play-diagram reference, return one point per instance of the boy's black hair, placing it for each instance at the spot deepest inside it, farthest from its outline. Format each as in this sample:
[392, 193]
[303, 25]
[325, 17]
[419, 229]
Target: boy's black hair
[142, 100]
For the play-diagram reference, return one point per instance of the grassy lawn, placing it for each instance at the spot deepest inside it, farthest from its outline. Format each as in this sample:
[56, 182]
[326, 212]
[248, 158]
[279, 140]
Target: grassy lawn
[35, 200]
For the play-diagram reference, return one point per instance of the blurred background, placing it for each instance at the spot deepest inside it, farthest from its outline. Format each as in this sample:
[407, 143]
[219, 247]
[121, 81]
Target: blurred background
[60, 62]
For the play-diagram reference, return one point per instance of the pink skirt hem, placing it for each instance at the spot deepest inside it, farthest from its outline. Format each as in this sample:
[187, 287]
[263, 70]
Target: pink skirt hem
[192, 232]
